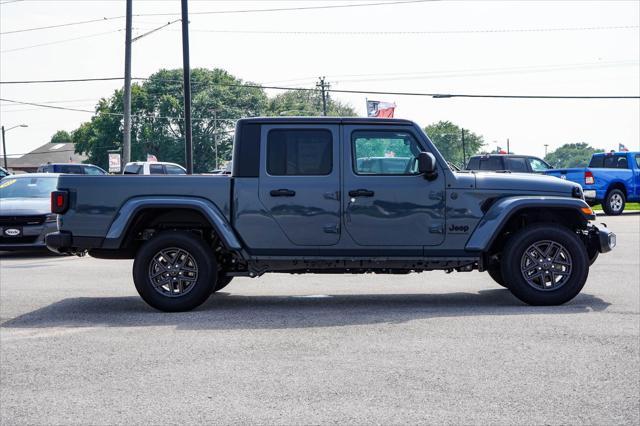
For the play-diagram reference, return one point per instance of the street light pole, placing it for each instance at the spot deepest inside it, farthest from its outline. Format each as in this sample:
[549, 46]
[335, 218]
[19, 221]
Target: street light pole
[4, 145]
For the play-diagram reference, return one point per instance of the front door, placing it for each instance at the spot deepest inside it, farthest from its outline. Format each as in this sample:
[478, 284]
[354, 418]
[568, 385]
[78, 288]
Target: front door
[386, 201]
[300, 182]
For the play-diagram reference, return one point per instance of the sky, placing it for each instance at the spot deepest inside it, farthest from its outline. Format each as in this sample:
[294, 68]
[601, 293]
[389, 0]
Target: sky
[465, 47]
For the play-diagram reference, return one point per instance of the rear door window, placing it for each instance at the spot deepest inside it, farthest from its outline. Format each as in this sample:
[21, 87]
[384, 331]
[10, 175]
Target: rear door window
[71, 169]
[132, 169]
[473, 164]
[517, 164]
[299, 152]
[616, 162]
[491, 163]
[156, 169]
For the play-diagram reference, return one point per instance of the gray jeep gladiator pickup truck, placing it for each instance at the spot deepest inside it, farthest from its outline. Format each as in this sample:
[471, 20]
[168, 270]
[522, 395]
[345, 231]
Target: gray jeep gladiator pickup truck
[303, 197]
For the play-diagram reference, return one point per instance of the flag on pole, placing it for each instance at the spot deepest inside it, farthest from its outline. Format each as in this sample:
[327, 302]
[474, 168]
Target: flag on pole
[380, 109]
[622, 148]
[151, 157]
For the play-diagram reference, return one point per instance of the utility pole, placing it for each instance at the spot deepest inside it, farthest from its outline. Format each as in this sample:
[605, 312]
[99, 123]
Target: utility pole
[215, 135]
[464, 154]
[126, 143]
[323, 87]
[546, 145]
[508, 151]
[186, 73]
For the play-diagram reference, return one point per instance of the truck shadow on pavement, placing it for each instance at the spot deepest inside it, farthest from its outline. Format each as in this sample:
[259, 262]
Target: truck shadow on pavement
[227, 311]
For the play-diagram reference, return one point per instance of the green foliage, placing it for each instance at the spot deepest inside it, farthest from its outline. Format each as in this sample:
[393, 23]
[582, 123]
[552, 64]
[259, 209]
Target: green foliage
[61, 136]
[306, 103]
[571, 155]
[448, 139]
[218, 100]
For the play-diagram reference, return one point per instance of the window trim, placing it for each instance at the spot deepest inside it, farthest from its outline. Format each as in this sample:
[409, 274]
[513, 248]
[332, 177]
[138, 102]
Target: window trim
[354, 159]
[301, 129]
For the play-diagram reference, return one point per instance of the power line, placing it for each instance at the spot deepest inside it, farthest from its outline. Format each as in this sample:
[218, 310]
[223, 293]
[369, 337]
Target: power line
[221, 12]
[363, 92]
[383, 33]
[59, 41]
[68, 24]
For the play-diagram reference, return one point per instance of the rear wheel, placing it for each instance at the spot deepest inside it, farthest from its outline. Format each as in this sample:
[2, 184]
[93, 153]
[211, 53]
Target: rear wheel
[614, 203]
[175, 271]
[223, 281]
[545, 264]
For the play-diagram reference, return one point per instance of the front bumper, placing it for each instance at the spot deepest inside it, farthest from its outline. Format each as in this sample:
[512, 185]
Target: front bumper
[33, 237]
[600, 238]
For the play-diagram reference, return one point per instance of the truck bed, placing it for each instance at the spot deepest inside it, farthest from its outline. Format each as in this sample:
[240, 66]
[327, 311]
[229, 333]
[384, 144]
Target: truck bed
[102, 196]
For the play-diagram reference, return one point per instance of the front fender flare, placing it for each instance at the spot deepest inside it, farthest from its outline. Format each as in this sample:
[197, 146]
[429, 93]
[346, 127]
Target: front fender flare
[502, 210]
[131, 207]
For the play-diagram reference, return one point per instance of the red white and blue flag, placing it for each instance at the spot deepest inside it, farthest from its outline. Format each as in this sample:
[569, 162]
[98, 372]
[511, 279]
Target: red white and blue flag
[380, 109]
[622, 148]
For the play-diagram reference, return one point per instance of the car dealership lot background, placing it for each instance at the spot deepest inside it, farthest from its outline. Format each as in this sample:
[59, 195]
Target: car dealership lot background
[79, 346]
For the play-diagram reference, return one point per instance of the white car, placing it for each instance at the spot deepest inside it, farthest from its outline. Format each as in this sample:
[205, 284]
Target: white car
[153, 168]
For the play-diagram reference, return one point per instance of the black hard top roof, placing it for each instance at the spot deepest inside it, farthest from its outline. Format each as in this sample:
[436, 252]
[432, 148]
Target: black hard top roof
[502, 155]
[327, 120]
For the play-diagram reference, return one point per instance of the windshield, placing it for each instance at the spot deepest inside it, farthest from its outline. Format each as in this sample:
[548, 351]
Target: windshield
[36, 187]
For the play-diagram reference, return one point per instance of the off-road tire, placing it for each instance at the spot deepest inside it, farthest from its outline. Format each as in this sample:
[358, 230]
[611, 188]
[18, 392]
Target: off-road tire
[223, 281]
[495, 272]
[614, 202]
[514, 256]
[205, 264]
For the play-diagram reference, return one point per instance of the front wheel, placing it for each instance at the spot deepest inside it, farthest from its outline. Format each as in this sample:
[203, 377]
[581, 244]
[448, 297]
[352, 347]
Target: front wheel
[495, 272]
[175, 271]
[545, 264]
[614, 202]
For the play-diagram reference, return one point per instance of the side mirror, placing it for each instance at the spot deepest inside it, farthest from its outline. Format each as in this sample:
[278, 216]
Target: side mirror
[427, 165]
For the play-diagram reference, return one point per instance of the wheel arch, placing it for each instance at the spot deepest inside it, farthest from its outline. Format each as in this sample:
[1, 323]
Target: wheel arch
[512, 213]
[617, 185]
[143, 212]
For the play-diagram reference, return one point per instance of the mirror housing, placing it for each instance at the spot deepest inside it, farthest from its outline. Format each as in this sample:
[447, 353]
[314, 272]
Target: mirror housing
[427, 165]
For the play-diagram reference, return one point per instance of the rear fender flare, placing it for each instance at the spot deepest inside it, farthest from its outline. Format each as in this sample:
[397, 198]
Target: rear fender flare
[120, 225]
[504, 209]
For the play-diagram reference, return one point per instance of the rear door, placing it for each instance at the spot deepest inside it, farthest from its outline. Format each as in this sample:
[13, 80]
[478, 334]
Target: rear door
[300, 181]
[390, 205]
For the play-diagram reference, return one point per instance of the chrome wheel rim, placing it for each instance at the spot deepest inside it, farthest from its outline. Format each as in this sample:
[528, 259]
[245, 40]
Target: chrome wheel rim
[546, 265]
[615, 202]
[173, 272]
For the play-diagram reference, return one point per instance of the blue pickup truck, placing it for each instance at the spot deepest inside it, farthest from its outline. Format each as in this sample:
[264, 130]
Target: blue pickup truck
[612, 179]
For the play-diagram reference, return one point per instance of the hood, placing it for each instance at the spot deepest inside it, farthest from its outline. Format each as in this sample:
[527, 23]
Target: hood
[24, 206]
[540, 184]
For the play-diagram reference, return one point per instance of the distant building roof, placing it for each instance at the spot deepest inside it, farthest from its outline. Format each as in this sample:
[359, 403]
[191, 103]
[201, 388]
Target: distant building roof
[47, 153]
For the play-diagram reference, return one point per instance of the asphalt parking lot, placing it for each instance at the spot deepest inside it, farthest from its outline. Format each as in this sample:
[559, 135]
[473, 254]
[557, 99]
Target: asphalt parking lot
[78, 346]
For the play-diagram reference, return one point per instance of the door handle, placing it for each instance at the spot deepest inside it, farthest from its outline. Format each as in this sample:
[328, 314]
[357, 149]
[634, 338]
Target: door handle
[282, 193]
[361, 193]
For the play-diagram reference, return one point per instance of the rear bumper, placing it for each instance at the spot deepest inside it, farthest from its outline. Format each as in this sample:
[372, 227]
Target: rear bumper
[601, 238]
[64, 242]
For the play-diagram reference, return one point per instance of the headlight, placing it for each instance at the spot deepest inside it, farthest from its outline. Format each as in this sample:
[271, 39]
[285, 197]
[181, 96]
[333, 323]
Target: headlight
[52, 217]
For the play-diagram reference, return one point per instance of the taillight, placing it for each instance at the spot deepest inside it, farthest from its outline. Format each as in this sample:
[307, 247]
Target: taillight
[588, 178]
[59, 202]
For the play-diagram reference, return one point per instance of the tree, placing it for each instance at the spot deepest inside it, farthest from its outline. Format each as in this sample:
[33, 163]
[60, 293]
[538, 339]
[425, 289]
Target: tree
[571, 155]
[61, 136]
[448, 139]
[218, 100]
[306, 103]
